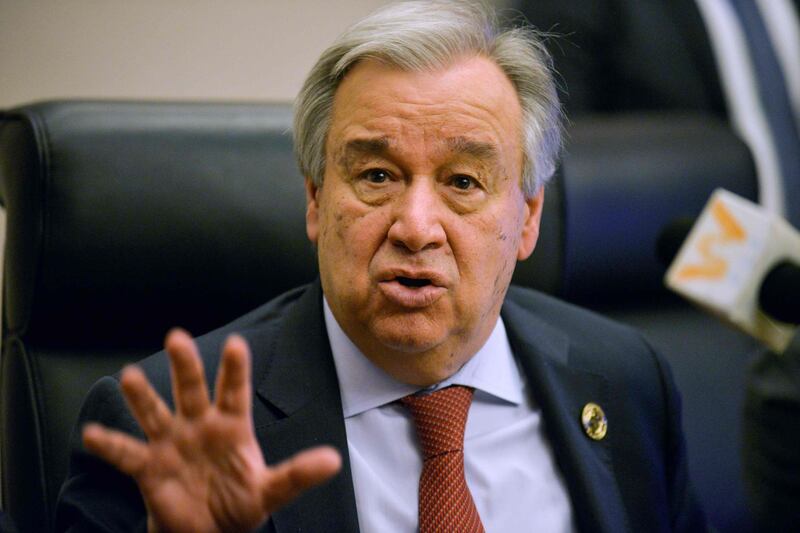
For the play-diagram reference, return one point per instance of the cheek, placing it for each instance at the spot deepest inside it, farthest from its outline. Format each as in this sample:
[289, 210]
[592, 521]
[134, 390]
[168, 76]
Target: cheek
[494, 236]
[492, 244]
[340, 224]
[350, 231]
[337, 218]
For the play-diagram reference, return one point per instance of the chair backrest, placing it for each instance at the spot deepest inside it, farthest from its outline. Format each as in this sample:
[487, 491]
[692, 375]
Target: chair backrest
[127, 218]
[123, 220]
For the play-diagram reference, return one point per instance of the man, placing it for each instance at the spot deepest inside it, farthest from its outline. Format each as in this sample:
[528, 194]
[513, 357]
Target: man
[426, 137]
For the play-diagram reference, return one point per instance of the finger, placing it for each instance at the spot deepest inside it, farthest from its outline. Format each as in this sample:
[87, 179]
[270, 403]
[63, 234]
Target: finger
[146, 405]
[189, 387]
[233, 379]
[124, 452]
[307, 469]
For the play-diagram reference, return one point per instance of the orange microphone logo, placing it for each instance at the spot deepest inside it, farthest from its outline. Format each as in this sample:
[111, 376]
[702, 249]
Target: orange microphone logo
[713, 266]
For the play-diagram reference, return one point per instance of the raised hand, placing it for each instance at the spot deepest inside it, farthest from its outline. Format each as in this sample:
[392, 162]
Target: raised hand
[201, 468]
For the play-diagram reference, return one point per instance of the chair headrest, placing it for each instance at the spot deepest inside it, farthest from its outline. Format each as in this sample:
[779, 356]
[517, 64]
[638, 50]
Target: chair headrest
[625, 178]
[174, 213]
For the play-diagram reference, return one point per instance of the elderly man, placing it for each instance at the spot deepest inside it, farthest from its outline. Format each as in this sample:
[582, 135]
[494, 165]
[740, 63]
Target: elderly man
[447, 401]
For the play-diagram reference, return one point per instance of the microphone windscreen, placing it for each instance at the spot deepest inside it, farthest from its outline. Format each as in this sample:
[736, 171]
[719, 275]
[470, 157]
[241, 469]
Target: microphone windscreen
[779, 296]
[671, 239]
[724, 262]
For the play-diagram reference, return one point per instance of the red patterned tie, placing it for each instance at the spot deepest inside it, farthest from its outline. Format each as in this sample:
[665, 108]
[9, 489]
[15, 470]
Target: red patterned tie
[445, 503]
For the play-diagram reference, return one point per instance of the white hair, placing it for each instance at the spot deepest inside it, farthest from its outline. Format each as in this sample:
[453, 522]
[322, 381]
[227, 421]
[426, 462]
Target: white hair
[428, 35]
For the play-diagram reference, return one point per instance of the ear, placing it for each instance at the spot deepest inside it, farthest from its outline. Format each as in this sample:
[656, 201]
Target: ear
[312, 211]
[530, 225]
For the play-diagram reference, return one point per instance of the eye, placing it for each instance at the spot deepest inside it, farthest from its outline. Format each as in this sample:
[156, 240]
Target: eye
[462, 182]
[376, 175]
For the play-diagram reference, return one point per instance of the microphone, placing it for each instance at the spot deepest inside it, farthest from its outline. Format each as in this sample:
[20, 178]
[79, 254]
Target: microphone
[741, 264]
[779, 296]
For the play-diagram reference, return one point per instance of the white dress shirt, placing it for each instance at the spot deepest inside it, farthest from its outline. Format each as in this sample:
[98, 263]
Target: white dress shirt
[509, 466]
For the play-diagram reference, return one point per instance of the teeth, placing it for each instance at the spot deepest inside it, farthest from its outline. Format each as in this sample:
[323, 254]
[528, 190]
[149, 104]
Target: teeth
[410, 282]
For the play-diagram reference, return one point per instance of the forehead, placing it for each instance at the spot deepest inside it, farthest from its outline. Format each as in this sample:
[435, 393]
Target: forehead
[469, 103]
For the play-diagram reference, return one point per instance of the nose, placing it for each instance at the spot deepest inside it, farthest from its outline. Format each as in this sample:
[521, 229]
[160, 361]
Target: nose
[417, 218]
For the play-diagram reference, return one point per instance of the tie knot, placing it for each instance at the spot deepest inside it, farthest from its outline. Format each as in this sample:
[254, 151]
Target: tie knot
[440, 418]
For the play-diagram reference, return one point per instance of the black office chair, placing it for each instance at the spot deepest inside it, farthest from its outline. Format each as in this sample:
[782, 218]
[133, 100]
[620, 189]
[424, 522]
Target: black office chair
[125, 219]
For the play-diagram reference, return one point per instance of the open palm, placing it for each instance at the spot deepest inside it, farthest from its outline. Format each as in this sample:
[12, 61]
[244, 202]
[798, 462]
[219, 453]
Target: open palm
[201, 468]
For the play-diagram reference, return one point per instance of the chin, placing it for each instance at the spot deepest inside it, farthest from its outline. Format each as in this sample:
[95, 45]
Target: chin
[418, 363]
[416, 352]
[407, 342]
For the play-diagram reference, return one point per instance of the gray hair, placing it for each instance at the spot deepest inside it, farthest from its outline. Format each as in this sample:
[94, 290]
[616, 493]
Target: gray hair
[427, 35]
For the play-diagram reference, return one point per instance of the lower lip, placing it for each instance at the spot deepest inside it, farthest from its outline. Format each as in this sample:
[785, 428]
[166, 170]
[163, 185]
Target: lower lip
[411, 297]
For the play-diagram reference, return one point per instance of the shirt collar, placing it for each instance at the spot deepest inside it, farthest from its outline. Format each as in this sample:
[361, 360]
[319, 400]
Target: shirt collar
[365, 386]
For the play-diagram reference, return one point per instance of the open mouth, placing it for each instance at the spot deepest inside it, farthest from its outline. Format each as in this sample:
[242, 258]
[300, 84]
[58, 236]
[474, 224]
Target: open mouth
[413, 282]
[412, 293]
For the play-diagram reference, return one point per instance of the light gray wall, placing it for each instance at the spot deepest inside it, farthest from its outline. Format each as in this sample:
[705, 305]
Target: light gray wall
[165, 49]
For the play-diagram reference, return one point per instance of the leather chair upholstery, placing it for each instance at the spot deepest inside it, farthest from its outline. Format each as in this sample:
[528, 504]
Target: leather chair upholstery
[123, 220]
[127, 218]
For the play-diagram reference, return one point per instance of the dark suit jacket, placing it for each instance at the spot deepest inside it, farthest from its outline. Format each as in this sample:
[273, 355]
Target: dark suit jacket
[633, 480]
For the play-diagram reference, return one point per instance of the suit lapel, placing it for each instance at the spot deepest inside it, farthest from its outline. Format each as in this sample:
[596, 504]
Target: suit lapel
[561, 391]
[301, 407]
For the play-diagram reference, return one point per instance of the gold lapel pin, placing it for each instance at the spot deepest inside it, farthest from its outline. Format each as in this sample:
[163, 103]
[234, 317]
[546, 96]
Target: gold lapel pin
[594, 421]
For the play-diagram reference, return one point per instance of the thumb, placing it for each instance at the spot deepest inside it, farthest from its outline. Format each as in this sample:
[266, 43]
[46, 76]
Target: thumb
[287, 480]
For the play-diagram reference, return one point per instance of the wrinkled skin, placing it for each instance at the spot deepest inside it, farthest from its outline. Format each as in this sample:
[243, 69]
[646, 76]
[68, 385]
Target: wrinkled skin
[421, 218]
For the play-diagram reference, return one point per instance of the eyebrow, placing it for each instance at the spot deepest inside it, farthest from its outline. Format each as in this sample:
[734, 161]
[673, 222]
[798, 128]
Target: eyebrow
[362, 147]
[477, 149]
[379, 146]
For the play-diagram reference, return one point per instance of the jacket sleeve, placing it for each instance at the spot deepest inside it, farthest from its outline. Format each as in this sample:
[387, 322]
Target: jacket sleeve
[96, 496]
[685, 512]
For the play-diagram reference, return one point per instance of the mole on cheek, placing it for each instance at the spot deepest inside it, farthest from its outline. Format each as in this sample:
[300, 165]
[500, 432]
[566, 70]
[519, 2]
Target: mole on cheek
[341, 229]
